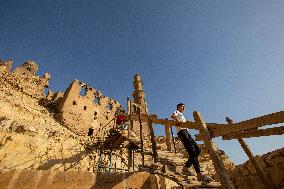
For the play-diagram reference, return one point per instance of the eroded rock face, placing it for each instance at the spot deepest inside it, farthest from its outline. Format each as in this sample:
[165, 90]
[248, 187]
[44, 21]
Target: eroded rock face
[33, 134]
[26, 179]
[244, 175]
[24, 78]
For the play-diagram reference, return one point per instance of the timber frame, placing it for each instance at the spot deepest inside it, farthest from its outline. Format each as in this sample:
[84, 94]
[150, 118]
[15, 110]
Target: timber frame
[208, 131]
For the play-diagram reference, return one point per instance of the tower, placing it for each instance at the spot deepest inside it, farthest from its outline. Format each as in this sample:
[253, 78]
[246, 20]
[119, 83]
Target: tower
[139, 98]
[138, 93]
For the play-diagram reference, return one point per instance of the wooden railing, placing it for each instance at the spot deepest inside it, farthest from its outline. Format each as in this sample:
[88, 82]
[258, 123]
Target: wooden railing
[230, 130]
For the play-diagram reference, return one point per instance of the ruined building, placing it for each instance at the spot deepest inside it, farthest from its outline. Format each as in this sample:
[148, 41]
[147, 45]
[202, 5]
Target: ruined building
[45, 141]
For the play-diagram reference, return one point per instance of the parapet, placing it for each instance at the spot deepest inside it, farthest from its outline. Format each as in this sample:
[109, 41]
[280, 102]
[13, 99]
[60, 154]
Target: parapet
[29, 68]
[24, 78]
[5, 67]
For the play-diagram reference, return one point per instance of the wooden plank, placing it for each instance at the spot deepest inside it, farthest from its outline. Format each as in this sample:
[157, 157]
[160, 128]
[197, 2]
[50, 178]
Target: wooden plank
[136, 105]
[188, 124]
[152, 137]
[255, 133]
[141, 138]
[168, 138]
[274, 118]
[213, 152]
[245, 147]
[144, 117]
[130, 159]
[173, 139]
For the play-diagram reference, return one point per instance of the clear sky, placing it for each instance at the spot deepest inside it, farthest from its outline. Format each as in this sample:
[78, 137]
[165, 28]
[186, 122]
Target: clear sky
[222, 58]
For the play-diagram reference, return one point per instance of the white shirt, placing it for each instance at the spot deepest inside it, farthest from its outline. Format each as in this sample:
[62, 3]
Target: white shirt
[180, 118]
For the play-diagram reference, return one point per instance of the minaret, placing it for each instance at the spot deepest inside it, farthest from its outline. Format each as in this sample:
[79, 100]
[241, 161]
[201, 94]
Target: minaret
[138, 93]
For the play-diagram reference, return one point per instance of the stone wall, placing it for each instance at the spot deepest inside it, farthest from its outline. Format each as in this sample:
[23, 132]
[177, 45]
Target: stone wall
[244, 176]
[83, 107]
[26, 179]
[24, 78]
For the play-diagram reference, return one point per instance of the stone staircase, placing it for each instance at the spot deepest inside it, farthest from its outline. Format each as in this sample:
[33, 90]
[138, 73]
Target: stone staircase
[172, 169]
[114, 140]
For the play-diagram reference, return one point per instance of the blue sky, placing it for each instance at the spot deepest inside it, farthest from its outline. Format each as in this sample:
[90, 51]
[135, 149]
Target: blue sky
[222, 58]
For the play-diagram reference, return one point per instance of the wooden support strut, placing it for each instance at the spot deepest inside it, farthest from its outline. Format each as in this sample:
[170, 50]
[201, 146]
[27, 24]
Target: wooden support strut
[213, 152]
[168, 137]
[255, 133]
[141, 138]
[152, 136]
[144, 118]
[129, 165]
[173, 139]
[274, 118]
[251, 157]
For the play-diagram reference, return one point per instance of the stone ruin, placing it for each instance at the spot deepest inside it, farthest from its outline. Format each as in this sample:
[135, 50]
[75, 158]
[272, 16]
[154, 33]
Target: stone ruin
[82, 107]
[24, 78]
[44, 141]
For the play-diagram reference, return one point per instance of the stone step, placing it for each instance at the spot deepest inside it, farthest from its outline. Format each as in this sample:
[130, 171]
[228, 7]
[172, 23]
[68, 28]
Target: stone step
[197, 184]
[190, 181]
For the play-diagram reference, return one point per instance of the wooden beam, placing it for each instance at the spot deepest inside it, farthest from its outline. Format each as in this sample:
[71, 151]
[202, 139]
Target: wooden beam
[130, 160]
[168, 137]
[152, 137]
[213, 152]
[144, 118]
[274, 118]
[137, 105]
[251, 157]
[173, 139]
[255, 133]
[141, 138]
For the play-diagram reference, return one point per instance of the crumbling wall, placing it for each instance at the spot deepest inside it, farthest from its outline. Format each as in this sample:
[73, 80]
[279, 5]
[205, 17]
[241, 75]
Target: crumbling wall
[24, 78]
[5, 67]
[26, 179]
[244, 176]
[83, 107]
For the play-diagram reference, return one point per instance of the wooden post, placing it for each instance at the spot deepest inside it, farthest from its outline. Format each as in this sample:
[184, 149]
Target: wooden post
[152, 136]
[121, 165]
[168, 137]
[128, 113]
[213, 152]
[130, 160]
[173, 138]
[141, 137]
[110, 162]
[251, 157]
[133, 160]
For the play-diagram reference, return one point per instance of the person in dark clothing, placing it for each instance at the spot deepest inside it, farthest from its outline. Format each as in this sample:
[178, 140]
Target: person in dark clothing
[189, 143]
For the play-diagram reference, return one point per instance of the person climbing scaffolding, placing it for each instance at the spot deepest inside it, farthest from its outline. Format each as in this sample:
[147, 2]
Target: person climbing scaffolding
[121, 119]
[122, 126]
[189, 144]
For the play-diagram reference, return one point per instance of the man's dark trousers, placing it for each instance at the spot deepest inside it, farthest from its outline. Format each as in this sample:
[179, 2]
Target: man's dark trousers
[191, 148]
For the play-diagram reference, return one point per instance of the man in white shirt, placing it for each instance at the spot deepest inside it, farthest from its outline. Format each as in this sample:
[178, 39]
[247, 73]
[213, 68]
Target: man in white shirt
[188, 142]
